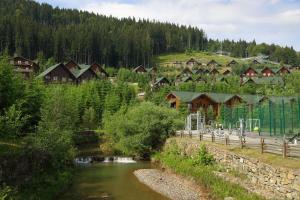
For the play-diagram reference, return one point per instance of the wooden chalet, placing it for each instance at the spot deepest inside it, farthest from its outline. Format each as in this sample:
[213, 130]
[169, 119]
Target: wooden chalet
[85, 74]
[99, 70]
[201, 71]
[160, 82]
[72, 72]
[185, 73]
[72, 65]
[272, 80]
[283, 70]
[201, 79]
[225, 72]
[140, 69]
[250, 72]
[192, 63]
[213, 64]
[214, 72]
[266, 72]
[58, 73]
[256, 62]
[195, 101]
[232, 63]
[24, 66]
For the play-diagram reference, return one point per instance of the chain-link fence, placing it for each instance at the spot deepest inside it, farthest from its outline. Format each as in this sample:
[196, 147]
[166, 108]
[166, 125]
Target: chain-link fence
[279, 117]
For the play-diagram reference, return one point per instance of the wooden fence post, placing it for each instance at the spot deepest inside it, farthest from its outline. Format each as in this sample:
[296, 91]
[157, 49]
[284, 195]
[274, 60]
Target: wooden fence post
[226, 140]
[181, 133]
[284, 153]
[212, 137]
[190, 133]
[262, 143]
[242, 142]
[200, 136]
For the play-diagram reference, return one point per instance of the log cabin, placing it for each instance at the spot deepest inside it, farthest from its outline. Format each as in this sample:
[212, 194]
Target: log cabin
[99, 70]
[58, 73]
[232, 63]
[266, 72]
[140, 69]
[160, 82]
[272, 80]
[250, 72]
[192, 63]
[24, 66]
[71, 72]
[196, 101]
[255, 62]
[213, 64]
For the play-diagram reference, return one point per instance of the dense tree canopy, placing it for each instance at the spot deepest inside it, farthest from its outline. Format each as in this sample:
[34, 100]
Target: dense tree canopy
[40, 31]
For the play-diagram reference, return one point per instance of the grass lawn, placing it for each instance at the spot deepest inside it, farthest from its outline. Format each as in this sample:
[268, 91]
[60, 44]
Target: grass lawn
[204, 57]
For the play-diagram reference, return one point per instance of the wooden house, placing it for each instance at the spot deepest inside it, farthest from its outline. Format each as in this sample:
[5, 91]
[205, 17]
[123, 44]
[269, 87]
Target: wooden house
[256, 62]
[185, 73]
[58, 73]
[283, 70]
[84, 74]
[72, 65]
[272, 80]
[250, 72]
[201, 79]
[232, 63]
[213, 64]
[140, 69]
[214, 72]
[192, 63]
[266, 72]
[99, 70]
[24, 66]
[160, 82]
[194, 101]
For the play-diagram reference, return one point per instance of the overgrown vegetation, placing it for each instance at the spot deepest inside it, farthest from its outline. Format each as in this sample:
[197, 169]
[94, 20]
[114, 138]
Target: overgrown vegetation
[201, 167]
[142, 129]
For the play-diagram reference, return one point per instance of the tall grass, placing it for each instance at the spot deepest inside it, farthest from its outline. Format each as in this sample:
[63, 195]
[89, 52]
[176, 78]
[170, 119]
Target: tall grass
[218, 188]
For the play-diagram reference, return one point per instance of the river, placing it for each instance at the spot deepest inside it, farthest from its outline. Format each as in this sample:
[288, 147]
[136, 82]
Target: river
[110, 181]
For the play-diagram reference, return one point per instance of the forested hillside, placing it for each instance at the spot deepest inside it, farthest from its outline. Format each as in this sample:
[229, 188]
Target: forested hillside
[36, 30]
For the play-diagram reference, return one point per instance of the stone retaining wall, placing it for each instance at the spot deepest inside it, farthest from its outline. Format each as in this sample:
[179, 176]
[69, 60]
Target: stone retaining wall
[284, 183]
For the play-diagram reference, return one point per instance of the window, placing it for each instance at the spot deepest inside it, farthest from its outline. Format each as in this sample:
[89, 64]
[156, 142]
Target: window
[19, 62]
[55, 78]
[64, 79]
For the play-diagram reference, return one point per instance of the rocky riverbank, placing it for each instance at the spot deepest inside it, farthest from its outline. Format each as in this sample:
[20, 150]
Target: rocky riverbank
[169, 185]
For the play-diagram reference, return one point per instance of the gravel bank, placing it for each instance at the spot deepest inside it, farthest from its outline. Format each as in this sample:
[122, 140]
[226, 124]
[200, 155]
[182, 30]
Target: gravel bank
[168, 184]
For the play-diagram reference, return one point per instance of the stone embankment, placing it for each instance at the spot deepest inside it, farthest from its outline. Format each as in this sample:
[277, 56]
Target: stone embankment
[266, 180]
[169, 185]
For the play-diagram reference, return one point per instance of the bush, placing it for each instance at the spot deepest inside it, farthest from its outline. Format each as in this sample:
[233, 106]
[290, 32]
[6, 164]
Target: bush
[143, 129]
[203, 157]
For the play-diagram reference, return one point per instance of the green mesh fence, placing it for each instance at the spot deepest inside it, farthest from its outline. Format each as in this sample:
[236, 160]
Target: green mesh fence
[272, 117]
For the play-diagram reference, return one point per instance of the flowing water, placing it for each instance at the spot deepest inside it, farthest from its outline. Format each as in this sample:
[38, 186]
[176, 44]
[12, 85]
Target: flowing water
[111, 180]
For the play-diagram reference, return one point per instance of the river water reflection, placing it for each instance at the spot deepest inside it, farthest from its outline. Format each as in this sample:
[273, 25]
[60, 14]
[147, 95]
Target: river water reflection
[110, 181]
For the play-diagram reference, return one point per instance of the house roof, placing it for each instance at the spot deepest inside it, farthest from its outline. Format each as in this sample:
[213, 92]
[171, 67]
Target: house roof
[185, 79]
[223, 98]
[138, 67]
[158, 80]
[265, 80]
[48, 70]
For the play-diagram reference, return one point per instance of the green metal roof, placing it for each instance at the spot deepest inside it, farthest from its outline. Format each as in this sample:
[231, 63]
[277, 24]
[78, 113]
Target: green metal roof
[48, 70]
[223, 98]
[160, 79]
[272, 80]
